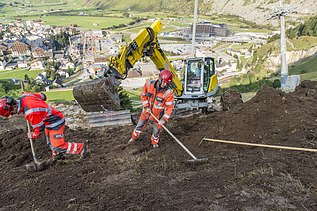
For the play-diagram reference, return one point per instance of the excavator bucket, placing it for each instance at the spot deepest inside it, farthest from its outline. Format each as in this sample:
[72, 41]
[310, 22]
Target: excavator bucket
[98, 95]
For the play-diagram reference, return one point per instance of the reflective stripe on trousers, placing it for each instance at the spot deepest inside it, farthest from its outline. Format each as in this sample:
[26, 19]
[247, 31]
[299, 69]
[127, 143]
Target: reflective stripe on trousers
[56, 141]
[141, 125]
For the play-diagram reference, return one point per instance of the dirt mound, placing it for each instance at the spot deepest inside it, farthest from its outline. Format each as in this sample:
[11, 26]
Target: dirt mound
[230, 99]
[128, 177]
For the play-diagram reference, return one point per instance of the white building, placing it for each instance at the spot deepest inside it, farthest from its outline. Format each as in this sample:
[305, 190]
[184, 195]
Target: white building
[3, 64]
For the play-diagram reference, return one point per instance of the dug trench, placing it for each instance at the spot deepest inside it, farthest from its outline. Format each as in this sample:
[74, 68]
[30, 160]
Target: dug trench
[121, 176]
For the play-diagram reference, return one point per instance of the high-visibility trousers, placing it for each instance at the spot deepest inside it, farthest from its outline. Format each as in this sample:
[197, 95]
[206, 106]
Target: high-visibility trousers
[144, 118]
[56, 141]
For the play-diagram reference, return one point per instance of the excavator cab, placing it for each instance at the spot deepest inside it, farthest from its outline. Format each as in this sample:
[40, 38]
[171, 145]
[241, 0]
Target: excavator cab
[199, 78]
[199, 83]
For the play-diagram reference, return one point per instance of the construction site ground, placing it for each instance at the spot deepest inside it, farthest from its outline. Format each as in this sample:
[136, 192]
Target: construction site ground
[121, 176]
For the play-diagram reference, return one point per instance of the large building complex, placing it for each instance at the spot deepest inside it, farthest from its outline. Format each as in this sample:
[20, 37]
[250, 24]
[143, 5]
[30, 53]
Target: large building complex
[207, 29]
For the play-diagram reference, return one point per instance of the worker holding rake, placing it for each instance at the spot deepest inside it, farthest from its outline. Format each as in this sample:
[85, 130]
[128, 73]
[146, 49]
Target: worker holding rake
[158, 100]
[42, 117]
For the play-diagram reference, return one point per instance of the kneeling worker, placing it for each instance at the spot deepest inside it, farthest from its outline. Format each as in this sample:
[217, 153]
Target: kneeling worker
[42, 117]
[158, 98]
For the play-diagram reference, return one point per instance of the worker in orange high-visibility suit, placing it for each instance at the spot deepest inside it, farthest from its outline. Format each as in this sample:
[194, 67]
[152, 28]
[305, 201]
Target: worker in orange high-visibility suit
[42, 117]
[157, 97]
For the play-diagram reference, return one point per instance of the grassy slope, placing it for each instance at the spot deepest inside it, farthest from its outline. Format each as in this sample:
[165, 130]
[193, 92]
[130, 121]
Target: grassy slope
[60, 95]
[306, 68]
[19, 74]
[144, 5]
[82, 21]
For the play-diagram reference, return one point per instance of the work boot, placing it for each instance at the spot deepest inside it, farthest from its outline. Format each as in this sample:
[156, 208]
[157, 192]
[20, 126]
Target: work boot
[83, 153]
[58, 156]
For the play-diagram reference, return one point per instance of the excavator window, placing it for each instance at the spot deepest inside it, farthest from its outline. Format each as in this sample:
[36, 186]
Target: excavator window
[199, 72]
[194, 76]
[208, 72]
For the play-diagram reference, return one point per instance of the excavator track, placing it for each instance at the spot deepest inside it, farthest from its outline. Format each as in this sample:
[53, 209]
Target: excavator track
[98, 95]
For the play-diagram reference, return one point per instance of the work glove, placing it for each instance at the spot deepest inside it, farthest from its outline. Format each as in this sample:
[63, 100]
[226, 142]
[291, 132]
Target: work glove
[161, 122]
[32, 135]
[147, 109]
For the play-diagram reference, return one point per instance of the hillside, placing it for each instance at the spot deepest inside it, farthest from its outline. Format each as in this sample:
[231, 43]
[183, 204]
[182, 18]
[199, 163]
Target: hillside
[119, 176]
[250, 10]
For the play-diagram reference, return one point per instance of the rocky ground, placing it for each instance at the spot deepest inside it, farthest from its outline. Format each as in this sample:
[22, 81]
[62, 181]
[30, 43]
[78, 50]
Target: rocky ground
[120, 176]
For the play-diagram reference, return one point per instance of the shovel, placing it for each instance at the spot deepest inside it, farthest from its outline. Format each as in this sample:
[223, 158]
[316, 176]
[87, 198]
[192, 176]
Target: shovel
[194, 158]
[37, 165]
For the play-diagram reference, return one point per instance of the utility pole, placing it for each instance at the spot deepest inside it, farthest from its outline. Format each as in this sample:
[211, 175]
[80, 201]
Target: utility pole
[279, 13]
[194, 29]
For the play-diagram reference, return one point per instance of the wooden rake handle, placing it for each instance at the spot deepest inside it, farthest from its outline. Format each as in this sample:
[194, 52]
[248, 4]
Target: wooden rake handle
[178, 141]
[259, 145]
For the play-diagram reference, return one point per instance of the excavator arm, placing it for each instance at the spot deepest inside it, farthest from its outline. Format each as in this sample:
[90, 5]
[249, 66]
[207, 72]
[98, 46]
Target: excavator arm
[145, 44]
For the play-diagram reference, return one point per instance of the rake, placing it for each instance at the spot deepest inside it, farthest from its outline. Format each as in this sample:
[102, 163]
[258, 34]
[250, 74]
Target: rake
[194, 158]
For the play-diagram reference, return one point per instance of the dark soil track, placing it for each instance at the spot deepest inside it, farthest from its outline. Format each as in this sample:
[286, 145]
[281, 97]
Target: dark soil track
[118, 176]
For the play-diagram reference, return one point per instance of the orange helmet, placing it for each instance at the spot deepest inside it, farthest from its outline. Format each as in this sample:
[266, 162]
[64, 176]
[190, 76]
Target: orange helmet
[5, 109]
[166, 76]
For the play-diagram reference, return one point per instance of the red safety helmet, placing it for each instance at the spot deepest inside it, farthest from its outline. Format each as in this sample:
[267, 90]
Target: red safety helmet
[4, 108]
[166, 76]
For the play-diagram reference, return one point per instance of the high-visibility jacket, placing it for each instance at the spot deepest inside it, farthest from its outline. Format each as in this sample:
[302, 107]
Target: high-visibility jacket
[39, 113]
[159, 100]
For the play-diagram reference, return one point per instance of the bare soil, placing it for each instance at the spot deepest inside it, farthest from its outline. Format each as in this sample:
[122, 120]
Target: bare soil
[119, 176]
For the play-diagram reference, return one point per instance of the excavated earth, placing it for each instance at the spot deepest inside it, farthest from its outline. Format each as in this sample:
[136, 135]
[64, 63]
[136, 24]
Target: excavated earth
[121, 176]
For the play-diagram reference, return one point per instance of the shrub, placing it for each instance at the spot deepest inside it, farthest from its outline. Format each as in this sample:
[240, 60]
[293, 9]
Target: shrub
[125, 101]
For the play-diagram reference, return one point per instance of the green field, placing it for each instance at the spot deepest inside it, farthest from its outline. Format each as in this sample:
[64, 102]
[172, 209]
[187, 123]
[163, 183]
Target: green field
[59, 95]
[19, 73]
[87, 22]
[302, 43]
[307, 69]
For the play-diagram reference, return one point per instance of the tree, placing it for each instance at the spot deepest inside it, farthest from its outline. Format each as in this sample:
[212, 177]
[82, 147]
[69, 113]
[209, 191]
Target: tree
[125, 101]
[26, 77]
[61, 40]
[3, 90]
[32, 86]
[309, 28]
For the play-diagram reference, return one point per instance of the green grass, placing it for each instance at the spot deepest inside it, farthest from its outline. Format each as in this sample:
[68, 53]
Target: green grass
[59, 95]
[309, 65]
[302, 43]
[237, 47]
[19, 73]
[134, 94]
[309, 76]
[135, 28]
[307, 69]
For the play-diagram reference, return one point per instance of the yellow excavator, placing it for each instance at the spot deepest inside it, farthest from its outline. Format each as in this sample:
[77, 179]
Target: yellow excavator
[192, 90]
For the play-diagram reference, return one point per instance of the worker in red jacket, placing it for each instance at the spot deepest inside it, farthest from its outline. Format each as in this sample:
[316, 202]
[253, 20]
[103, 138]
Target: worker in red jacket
[157, 97]
[42, 117]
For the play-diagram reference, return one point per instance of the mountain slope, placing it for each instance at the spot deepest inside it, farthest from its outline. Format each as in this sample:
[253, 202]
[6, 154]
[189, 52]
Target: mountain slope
[256, 11]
